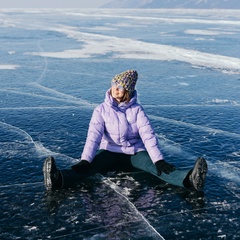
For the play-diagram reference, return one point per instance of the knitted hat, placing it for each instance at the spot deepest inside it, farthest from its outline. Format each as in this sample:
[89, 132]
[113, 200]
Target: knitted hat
[127, 80]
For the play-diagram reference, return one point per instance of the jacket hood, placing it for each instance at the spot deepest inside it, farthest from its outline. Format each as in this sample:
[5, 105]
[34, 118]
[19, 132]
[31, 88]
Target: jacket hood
[110, 101]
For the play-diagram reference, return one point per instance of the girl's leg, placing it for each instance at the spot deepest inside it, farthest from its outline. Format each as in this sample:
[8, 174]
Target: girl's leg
[54, 178]
[104, 161]
[141, 160]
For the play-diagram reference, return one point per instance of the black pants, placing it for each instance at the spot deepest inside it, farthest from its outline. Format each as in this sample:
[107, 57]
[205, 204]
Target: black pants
[106, 161]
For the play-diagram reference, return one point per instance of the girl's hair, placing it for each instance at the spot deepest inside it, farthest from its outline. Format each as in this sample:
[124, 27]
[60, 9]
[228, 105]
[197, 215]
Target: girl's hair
[126, 97]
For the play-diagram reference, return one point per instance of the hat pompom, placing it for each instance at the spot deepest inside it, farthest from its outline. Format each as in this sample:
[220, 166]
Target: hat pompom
[127, 80]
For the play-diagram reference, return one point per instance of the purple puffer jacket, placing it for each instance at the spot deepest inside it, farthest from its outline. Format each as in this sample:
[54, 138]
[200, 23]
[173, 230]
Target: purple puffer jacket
[122, 128]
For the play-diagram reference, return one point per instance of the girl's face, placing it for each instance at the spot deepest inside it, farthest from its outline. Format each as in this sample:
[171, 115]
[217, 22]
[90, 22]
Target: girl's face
[117, 91]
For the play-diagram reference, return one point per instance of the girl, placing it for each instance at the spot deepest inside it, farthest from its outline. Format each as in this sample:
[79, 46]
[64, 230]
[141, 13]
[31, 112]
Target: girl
[120, 137]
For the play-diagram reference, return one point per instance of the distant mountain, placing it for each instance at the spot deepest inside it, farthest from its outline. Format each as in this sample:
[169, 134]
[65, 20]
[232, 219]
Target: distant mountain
[194, 4]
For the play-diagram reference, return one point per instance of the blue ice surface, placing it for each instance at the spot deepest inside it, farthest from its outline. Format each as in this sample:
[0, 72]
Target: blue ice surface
[56, 66]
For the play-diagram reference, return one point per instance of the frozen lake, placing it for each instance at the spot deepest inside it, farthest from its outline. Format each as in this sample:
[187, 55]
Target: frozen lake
[56, 66]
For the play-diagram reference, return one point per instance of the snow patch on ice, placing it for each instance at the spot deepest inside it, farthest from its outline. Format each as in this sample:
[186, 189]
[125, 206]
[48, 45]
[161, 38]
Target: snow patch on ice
[8, 67]
[204, 39]
[98, 44]
[226, 170]
[31, 228]
[223, 101]
[237, 154]
[183, 84]
[11, 52]
[207, 32]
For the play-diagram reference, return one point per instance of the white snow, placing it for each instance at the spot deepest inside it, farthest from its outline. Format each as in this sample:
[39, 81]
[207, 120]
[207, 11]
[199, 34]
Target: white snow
[207, 32]
[98, 44]
[8, 67]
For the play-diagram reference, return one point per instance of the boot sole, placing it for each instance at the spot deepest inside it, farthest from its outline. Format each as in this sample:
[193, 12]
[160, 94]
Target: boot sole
[47, 167]
[199, 174]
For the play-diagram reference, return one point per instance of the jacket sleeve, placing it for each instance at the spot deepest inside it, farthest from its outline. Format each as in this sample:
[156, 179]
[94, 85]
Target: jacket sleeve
[148, 136]
[94, 136]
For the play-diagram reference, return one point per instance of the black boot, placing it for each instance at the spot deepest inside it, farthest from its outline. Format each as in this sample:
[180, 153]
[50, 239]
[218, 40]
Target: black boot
[52, 176]
[198, 174]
